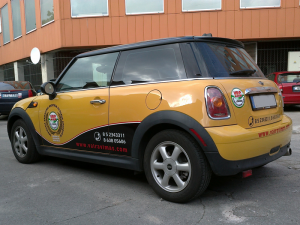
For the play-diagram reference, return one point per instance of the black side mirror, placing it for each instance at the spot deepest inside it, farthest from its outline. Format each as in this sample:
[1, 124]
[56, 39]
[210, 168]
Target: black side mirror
[48, 88]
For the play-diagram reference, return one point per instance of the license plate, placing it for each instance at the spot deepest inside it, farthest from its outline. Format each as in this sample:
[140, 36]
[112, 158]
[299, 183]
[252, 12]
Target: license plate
[296, 88]
[9, 95]
[263, 102]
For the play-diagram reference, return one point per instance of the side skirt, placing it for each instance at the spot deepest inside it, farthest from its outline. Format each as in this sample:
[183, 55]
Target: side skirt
[124, 162]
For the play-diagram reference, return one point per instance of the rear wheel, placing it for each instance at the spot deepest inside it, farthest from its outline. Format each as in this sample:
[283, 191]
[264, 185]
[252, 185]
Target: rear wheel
[22, 143]
[175, 166]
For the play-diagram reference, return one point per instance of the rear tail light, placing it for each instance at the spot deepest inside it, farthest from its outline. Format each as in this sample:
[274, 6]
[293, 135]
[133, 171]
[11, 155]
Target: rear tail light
[216, 104]
[30, 93]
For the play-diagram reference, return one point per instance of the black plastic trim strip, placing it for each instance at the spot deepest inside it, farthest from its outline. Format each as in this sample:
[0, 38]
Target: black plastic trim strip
[96, 158]
[223, 167]
[17, 113]
[174, 118]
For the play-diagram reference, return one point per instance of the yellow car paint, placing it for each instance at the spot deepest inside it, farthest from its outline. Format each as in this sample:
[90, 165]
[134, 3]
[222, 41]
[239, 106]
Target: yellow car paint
[234, 138]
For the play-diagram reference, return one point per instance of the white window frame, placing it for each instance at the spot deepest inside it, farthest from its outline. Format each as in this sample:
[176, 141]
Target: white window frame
[197, 10]
[12, 19]
[25, 20]
[2, 22]
[141, 13]
[41, 15]
[84, 16]
[257, 7]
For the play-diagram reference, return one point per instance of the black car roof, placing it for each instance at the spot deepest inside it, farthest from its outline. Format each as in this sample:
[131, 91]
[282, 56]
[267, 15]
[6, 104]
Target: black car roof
[162, 42]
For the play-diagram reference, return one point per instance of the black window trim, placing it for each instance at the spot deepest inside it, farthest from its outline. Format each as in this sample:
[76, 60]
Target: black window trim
[150, 82]
[86, 89]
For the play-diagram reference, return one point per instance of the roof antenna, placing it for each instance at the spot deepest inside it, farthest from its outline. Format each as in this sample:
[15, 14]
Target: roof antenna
[207, 35]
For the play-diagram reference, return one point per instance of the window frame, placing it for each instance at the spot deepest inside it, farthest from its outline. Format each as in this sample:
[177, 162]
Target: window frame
[86, 16]
[2, 24]
[143, 13]
[199, 10]
[42, 25]
[12, 20]
[25, 18]
[71, 63]
[261, 7]
[121, 64]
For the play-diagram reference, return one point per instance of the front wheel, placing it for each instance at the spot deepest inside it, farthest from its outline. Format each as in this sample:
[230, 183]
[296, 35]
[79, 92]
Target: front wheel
[22, 143]
[175, 166]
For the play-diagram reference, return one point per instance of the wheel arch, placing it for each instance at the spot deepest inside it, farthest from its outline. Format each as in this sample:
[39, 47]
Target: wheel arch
[19, 113]
[163, 120]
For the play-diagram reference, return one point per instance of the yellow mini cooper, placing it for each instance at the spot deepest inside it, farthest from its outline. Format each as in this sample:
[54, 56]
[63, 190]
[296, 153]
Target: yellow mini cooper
[178, 109]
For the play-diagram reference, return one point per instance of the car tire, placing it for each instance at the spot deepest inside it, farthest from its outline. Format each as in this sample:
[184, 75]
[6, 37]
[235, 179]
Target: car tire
[176, 167]
[22, 143]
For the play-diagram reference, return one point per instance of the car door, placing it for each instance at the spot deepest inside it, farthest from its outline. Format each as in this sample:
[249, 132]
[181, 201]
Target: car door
[136, 90]
[78, 116]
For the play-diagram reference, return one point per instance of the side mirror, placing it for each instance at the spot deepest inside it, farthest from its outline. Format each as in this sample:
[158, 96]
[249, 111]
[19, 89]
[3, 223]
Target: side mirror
[48, 88]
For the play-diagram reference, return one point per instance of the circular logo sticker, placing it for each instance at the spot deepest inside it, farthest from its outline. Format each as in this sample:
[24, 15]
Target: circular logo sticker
[53, 121]
[237, 97]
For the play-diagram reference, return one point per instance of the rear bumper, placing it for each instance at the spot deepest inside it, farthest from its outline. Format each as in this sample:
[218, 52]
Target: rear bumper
[223, 167]
[5, 107]
[240, 149]
[291, 99]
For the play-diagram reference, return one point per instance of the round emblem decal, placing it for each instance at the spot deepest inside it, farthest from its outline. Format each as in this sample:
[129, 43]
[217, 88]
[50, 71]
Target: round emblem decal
[238, 97]
[53, 121]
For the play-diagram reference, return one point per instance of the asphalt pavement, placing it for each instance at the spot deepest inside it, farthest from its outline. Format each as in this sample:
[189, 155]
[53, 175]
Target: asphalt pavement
[59, 191]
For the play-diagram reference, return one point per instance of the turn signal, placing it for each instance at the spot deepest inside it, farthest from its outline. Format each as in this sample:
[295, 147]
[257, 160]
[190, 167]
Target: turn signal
[216, 104]
[33, 105]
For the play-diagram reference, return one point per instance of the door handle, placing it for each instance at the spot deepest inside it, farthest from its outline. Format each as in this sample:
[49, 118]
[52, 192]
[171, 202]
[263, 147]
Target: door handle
[102, 101]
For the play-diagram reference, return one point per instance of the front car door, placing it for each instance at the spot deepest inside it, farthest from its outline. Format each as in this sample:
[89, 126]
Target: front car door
[78, 116]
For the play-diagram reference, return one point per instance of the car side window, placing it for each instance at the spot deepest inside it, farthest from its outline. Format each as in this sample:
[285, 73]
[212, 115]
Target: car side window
[151, 64]
[88, 72]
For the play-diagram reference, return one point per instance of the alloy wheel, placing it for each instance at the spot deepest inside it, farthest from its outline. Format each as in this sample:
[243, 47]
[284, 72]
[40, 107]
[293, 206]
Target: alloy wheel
[20, 142]
[170, 166]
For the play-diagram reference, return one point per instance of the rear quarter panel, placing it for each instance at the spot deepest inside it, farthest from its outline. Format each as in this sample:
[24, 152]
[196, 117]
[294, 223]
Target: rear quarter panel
[128, 103]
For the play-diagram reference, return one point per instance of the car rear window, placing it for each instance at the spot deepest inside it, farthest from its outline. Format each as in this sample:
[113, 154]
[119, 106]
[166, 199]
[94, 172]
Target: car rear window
[221, 60]
[12, 85]
[289, 78]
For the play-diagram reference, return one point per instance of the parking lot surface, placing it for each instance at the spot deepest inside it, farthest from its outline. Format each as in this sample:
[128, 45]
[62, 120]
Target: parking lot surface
[59, 191]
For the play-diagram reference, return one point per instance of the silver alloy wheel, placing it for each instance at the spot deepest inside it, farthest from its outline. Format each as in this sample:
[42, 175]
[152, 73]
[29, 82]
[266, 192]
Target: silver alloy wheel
[20, 142]
[170, 166]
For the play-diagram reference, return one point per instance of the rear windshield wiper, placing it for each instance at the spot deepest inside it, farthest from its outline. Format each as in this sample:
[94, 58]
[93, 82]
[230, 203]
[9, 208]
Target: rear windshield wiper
[243, 72]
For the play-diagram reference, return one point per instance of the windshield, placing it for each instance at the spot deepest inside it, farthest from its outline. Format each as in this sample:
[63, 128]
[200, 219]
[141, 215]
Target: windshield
[227, 61]
[289, 78]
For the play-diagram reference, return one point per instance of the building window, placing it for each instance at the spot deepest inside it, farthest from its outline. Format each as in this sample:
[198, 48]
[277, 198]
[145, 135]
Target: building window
[199, 5]
[30, 15]
[144, 7]
[259, 4]
[5, 24]
[8, 72]
[16, 18]
[47, 11]
[80, 8]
